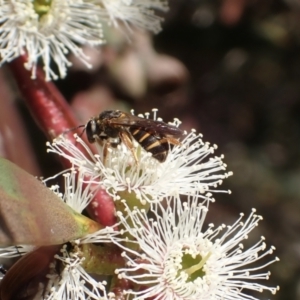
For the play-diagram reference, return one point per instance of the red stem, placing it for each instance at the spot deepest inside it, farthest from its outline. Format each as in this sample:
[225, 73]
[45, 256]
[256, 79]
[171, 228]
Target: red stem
[47, 105]
[54, 116]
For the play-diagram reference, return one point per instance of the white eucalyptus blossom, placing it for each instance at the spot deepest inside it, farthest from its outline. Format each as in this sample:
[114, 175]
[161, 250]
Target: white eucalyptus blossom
[48, 32]
[68, 279]
[73, 282]
[189, 169]
[77, 192]
[139, 13]
[179, 259]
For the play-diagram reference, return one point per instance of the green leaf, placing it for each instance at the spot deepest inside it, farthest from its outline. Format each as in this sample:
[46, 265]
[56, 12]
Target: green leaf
[30, 213]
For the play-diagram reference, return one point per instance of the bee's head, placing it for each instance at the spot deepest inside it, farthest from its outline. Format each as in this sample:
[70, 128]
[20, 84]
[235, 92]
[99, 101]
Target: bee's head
[92, 129]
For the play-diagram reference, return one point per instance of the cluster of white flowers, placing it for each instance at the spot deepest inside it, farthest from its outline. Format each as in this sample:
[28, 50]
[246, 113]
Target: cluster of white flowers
[49, 30]
[73, 282]
[139, 13]
[185, 172]
[171, 254]
[179, 259]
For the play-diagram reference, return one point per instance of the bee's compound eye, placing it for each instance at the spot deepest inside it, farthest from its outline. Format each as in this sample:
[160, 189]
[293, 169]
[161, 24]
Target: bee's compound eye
[91, 130]
[93, 126]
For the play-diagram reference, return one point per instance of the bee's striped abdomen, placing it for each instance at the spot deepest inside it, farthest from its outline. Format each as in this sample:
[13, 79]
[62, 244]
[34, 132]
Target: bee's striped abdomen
[150, 143]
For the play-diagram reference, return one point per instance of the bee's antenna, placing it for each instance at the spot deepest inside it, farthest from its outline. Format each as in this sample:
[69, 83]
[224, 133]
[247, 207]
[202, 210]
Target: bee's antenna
[82, 132]
[74, 128]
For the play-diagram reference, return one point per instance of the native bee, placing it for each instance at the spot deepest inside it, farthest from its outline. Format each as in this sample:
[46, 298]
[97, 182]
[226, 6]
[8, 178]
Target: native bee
[116, 126]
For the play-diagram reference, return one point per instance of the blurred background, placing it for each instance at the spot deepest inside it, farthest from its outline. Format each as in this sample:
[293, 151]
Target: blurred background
[231, 70]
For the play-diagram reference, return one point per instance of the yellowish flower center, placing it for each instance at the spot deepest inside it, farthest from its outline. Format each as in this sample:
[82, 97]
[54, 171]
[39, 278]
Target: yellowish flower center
[193, 267]
[42, 7]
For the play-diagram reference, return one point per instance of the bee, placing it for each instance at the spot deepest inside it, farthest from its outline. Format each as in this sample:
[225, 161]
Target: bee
[116, 126]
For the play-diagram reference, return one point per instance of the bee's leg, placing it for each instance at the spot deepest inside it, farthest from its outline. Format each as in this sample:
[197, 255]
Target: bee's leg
[170, 140]
[106, 145]
[105, 150]
[103, 142]
[127, 140]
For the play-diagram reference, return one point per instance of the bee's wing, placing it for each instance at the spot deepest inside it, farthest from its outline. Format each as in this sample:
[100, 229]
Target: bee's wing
[156, 127]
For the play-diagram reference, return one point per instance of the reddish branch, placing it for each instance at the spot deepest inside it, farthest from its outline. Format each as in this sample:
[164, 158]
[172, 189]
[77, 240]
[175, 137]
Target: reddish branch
[54, 116]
